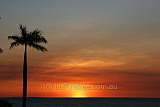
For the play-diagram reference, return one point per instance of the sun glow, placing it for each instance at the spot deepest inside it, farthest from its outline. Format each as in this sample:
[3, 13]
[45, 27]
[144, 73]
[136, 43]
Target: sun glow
[78, 94]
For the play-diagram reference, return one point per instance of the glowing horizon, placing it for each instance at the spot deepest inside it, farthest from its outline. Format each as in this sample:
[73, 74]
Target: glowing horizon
[89, 42]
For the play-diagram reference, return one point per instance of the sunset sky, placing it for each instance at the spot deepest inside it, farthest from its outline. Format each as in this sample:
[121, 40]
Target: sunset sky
[90, 42]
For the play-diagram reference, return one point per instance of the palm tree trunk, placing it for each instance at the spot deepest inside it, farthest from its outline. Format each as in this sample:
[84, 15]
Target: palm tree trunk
[25, 77]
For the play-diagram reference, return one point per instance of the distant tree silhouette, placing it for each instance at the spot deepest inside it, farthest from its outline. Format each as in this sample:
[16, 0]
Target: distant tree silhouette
[28, 39]
[1, 50]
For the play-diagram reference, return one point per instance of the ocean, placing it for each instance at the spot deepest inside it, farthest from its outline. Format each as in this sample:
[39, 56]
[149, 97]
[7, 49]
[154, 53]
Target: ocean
[86, 102]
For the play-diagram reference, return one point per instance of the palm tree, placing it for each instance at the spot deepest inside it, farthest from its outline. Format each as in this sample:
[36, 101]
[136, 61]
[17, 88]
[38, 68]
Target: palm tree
[27, 39]
[1, 50]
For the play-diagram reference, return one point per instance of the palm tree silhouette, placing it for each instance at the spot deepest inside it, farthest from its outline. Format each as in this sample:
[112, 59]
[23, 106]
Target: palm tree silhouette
[1, 50]
[28, 39]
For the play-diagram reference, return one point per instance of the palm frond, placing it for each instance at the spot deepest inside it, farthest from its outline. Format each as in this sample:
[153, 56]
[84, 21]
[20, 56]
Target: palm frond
[13, 44]
[23, 30]
[14, 37]
[17, 39]
[38, 47]
[37, 37]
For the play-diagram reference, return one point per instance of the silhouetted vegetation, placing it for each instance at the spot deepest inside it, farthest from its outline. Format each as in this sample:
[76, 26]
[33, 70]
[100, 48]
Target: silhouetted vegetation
[1, 50]
[27, 39]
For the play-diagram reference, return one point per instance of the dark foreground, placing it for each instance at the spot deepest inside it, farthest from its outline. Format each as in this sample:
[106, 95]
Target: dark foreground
[87, 102]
